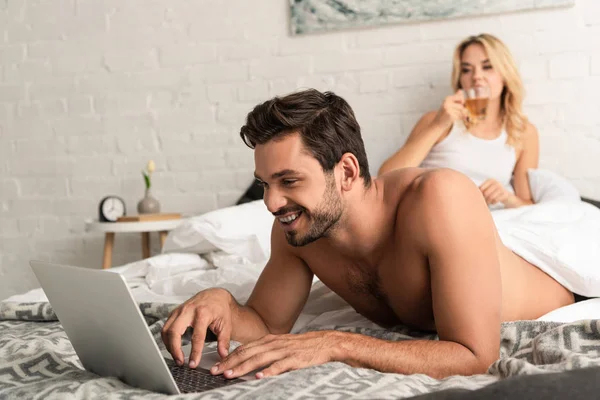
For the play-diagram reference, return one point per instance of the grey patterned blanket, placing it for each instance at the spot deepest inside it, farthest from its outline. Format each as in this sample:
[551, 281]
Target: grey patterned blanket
[38, 361]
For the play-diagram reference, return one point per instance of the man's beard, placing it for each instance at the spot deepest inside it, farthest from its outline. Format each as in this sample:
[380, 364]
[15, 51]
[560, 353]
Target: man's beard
[323, 219]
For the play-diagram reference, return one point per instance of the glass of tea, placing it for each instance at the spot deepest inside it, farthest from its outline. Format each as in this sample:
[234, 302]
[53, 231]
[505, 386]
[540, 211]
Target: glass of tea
[476, 101]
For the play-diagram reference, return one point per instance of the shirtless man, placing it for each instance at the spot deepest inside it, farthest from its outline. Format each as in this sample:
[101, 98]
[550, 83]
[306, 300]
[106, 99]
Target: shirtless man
[415, 247]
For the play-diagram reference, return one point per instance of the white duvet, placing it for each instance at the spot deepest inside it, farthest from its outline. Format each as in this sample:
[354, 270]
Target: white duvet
[562, 238]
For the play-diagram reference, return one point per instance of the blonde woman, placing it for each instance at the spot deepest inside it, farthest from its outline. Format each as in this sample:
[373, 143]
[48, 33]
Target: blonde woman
[492, 152]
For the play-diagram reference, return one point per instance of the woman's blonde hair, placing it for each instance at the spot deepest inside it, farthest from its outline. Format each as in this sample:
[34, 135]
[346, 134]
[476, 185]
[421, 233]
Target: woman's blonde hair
[511, 101]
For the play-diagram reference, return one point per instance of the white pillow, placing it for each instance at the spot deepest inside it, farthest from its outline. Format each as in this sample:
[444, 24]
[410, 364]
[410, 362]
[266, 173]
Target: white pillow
[243, 230]
[546, 186]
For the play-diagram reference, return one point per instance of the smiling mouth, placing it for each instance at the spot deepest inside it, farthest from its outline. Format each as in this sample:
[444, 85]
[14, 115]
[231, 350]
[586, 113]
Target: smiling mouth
[290, 218]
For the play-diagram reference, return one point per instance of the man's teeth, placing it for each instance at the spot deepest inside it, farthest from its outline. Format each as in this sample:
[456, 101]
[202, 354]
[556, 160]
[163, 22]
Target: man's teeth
[289, 218]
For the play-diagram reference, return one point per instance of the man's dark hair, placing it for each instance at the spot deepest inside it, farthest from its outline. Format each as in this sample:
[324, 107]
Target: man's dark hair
[325, 122]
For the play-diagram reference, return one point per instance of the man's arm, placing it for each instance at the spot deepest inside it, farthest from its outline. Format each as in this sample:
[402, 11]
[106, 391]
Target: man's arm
[456, 233]
[273, 307]
[279, 295]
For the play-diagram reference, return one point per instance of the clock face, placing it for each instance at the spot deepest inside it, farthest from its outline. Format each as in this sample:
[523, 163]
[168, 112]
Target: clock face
[113, 208]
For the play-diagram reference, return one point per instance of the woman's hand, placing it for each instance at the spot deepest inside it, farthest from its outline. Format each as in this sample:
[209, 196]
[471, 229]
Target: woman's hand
[452, 110]
[494, 192]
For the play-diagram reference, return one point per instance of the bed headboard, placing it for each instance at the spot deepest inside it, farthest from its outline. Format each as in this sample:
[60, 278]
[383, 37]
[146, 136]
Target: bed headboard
[594, 202]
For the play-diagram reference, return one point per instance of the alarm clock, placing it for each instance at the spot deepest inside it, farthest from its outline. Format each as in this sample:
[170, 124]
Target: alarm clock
[111, 208]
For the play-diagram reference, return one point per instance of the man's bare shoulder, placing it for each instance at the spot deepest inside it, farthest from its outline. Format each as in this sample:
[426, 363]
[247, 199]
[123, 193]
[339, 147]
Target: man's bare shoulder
[409, 184]
[432, 196]
[396, 182]
[424, 182]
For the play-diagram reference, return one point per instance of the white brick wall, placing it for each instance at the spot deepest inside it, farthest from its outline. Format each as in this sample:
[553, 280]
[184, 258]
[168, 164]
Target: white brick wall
[92, 89]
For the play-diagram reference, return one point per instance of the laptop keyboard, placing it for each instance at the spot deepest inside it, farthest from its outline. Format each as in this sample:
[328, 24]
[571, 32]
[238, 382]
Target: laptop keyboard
[197, 380]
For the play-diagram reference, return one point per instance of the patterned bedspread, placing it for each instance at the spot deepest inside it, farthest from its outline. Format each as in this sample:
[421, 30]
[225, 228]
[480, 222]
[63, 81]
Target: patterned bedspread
[38, 361]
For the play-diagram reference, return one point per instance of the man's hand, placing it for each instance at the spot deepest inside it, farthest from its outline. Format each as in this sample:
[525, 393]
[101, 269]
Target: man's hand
[494, 192]
[209, 309]
[279, 353]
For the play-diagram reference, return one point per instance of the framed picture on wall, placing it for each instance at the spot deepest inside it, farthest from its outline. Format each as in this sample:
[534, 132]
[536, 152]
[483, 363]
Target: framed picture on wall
[310, 16]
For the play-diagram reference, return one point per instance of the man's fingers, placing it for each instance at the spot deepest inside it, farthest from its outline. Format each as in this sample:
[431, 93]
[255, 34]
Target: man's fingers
[254, 362]
[240, 355]
[278, 367]
[173, 340]
[200, 327]
[166, 327]
[245, 349]
[223, 342]
[197, 313]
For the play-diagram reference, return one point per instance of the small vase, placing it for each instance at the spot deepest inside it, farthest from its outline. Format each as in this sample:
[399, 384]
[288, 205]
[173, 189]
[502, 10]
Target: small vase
[148, 205]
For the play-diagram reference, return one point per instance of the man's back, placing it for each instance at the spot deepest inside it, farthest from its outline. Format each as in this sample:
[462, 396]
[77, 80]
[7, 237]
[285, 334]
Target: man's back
[392, 285]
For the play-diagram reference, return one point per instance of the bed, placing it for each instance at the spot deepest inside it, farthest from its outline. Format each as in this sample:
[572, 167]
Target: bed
[38, 361]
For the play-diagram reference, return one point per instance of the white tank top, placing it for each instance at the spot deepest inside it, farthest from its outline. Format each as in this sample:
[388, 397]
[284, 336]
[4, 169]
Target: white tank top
[479, 159]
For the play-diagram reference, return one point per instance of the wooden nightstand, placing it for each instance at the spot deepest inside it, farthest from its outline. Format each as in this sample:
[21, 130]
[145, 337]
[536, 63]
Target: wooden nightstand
[144, 224]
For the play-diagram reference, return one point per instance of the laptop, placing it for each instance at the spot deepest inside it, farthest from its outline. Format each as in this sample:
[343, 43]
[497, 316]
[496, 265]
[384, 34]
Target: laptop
[110, 335]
